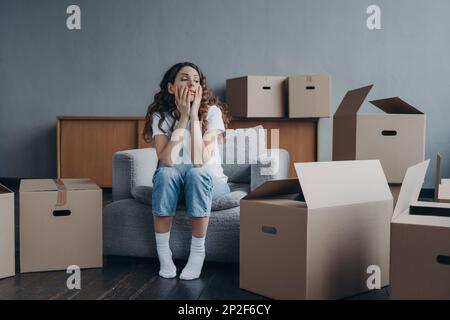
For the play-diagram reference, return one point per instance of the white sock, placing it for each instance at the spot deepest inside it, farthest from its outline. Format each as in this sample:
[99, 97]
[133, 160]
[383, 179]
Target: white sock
[167, 267]
[194, 265]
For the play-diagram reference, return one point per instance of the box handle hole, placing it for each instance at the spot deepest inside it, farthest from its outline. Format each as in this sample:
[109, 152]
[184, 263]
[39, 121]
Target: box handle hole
[310, 88]
[266, 88]
[270, 230]
[389, 133]
[61, 213]
[443, 260]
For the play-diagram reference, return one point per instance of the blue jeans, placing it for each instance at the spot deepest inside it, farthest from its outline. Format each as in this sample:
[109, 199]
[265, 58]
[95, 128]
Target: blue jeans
[195, 185]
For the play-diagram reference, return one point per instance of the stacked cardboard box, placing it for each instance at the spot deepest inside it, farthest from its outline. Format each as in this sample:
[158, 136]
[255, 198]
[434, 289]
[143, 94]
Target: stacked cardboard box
[60, 224]
[256, 96]
[315, 237]
[7, 252]
[279, 97]
[309, 96]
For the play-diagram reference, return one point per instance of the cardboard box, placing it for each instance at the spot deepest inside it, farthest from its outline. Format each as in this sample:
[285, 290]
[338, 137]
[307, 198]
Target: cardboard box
[442, 187]
[257, 96]
[60, 224]
[309, 96]
[314, 237]
[420, 246]
[396, 137]
[7, 243]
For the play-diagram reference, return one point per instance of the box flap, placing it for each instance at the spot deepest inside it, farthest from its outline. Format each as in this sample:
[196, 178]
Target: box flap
[410, 190]
[32, 185]
[395, 106]
[274, 188]
[327, 184]
[353, 101]
[426, 220]
[437, 179]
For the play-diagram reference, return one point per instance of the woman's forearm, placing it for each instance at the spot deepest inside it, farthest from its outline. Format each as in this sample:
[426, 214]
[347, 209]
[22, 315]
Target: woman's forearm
[196, 141]
[171, 151]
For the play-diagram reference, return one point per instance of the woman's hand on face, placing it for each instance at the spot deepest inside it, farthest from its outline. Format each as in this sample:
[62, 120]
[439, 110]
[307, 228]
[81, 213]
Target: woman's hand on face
[182, 101]
[197, 100]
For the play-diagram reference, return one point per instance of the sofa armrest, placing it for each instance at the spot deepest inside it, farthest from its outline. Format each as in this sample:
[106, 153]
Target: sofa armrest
[272, 165]
[132, 168]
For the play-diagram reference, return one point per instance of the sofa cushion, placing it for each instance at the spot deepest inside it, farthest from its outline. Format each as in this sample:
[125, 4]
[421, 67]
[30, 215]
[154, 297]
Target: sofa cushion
[237, 173]
[230, 200]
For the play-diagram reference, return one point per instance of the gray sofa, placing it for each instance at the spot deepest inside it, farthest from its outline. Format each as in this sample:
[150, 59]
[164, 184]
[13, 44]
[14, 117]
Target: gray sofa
[128, 223]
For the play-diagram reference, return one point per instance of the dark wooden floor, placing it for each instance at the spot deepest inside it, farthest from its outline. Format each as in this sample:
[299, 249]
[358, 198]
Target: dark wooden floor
[127, 278]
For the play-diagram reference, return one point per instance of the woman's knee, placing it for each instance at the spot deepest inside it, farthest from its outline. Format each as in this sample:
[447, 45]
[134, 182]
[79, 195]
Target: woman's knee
[166, 174]
[167, 183]
[198, 190]
[197, 174]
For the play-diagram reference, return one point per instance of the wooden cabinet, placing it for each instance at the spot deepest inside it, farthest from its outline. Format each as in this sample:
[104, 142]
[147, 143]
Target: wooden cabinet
[85, 145]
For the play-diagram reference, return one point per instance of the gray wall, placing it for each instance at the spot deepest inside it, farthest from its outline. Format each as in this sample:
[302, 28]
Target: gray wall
[114, 64]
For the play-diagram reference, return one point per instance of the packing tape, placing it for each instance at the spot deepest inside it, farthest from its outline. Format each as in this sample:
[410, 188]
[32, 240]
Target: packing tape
[62, 193]
[309, 78]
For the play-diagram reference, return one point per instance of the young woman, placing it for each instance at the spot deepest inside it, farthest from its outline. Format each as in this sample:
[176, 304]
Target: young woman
[185, 117]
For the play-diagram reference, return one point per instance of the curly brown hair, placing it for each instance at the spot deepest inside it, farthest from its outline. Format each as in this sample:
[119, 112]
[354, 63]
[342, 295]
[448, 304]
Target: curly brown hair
[163, 102]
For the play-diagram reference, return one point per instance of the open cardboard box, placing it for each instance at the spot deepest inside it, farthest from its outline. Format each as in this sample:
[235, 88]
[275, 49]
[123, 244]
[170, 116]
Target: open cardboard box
[442, 187]
[60, 224]
[7, 243]
[420, 243]
[315, 236]
[395, 137]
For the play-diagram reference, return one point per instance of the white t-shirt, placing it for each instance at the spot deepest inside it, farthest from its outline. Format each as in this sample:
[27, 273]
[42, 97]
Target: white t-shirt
[213, 121]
